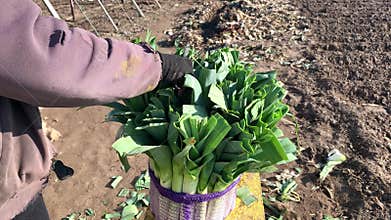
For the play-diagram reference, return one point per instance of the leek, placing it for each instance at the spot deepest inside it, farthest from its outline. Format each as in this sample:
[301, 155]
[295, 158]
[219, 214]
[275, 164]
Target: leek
[203, 138]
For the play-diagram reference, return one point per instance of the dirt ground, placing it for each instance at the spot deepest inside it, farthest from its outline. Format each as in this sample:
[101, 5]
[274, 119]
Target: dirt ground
[342, 100]
[345, 104]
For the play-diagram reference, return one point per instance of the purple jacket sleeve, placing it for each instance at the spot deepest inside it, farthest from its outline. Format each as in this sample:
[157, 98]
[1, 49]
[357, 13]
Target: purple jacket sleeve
[45, 63]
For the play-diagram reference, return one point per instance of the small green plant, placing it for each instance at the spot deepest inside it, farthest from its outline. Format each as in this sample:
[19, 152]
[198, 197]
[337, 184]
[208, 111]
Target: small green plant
[149, 38]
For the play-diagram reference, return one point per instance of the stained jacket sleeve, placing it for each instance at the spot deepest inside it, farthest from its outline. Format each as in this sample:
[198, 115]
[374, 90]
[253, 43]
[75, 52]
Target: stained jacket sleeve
[43, 62]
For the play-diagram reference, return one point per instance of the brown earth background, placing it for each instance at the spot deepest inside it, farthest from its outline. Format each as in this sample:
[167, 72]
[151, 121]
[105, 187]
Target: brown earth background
[334, 57]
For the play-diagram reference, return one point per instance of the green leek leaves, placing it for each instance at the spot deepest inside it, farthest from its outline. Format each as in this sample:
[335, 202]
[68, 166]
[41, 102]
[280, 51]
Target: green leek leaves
[201, 138]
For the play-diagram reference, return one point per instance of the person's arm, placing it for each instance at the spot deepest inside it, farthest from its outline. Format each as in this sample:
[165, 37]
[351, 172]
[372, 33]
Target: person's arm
[43, 62]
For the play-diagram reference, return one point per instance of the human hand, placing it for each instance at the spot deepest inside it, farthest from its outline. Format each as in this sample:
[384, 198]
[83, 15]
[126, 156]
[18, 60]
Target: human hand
[175, 67]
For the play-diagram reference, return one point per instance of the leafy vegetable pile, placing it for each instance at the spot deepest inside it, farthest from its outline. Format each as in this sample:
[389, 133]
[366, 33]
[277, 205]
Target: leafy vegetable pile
[202, 136]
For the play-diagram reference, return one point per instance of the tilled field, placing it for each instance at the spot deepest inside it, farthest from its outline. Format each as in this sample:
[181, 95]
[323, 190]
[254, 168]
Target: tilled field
[346, 103]
[334, 56]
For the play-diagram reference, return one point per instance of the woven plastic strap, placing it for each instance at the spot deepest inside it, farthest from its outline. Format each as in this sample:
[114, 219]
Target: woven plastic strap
[189, 198]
